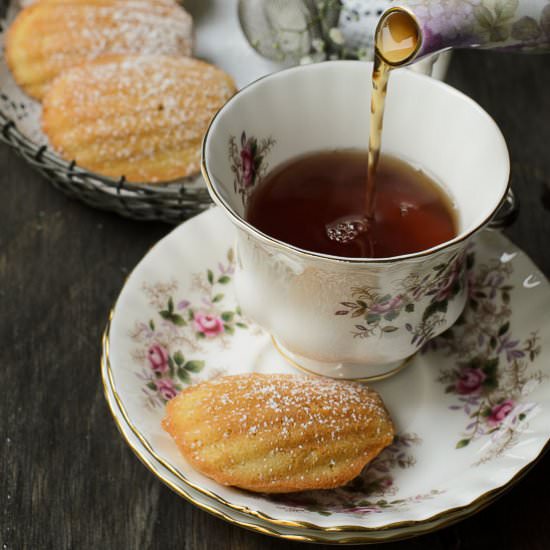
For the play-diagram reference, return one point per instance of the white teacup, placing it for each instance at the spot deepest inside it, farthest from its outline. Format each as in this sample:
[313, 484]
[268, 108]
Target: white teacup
[348, 317]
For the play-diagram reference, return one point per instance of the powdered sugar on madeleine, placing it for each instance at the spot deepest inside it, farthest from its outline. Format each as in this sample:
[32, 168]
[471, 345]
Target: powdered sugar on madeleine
[142, 117]
[49, 37]
[279, 433]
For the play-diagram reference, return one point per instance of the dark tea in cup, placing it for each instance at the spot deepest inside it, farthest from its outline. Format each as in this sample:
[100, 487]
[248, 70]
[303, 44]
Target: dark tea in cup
[317, 203]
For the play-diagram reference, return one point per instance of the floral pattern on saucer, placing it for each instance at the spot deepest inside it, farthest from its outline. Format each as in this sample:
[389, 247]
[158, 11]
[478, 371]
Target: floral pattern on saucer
[492, 371]
[369, 492]
[183, 323]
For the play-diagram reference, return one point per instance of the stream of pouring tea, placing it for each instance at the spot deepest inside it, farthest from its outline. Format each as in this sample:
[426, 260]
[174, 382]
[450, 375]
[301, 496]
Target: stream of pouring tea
[396, 40]
[380, 76]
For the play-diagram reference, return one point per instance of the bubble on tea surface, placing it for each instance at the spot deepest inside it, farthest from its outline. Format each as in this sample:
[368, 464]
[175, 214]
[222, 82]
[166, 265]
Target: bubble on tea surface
[345, 230]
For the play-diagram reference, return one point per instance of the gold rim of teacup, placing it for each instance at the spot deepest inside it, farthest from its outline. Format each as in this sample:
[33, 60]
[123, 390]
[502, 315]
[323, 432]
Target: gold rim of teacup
[244, 225]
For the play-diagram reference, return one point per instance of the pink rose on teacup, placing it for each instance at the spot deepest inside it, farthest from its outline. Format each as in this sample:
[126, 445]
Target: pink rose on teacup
[386, 306]
[158, 358]
[247, 160]
[166, 389]
[500, 412]
[207, 324]
[470, 381]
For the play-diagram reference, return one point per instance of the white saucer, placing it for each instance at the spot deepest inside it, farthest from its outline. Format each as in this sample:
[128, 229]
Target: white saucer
[463, 439]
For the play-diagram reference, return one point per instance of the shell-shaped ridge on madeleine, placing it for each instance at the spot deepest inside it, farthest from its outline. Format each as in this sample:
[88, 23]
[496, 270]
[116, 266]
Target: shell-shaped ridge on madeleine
[142, 117]
[279, 433]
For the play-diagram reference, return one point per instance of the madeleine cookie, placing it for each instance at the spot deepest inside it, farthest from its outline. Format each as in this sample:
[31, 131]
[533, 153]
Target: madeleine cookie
[142, 117]
[279, 433]
[52, 35]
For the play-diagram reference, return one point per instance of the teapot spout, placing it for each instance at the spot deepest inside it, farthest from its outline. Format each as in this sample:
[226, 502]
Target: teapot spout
[510, 25]
[398, 37]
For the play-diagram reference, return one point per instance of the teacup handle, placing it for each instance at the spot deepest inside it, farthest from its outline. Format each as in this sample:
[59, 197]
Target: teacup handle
[507, 213]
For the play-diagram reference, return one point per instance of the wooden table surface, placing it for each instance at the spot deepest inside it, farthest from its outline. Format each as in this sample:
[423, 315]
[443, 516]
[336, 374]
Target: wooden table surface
[67, 479]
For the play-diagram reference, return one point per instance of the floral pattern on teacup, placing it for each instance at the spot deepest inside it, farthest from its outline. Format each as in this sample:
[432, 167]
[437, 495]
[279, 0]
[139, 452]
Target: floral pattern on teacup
[184, 324]
[248, 162]
[373, 312]
[491, 374]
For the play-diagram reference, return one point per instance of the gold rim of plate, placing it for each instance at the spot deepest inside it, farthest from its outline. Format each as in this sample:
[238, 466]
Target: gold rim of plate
[453, 514]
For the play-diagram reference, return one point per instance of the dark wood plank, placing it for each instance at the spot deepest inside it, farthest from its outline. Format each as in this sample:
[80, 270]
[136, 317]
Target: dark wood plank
[67, 480]
[511, 88]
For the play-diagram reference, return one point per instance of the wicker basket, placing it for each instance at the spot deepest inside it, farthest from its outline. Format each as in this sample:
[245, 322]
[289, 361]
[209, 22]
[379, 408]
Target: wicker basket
[141, 202]
[170, 203]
